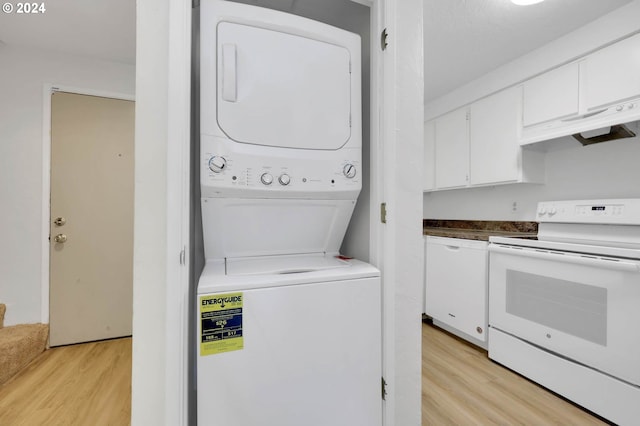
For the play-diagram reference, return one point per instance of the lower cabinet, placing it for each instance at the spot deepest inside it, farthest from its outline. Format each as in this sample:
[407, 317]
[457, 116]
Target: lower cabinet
[456, 286]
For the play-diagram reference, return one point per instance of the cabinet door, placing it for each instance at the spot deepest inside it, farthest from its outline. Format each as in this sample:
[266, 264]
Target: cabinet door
[612, 74]
[494, 149]
[452, 149]
[429, 163]
[551, 95]
[456, 284]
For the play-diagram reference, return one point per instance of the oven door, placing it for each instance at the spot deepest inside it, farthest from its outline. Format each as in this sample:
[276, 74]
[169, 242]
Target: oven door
[582, 307]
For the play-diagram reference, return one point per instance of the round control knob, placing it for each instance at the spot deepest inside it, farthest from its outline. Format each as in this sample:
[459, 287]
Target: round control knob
[217, 164]
[542, 211]
[619, 108]
[552, 211]
[284, 179]
[266, 178]
[349, 171]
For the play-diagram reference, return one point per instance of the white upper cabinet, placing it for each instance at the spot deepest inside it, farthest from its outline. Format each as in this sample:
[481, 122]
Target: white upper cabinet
[552, 95]
[612, 74]
[479, 146]
[494, 151]
[452, 149]
[429, 162]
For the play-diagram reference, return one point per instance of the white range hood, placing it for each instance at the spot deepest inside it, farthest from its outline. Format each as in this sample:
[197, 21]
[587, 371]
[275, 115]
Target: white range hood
[600, 125]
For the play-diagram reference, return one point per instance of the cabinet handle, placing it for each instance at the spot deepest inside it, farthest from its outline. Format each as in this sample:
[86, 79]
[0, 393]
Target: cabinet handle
[453, 248]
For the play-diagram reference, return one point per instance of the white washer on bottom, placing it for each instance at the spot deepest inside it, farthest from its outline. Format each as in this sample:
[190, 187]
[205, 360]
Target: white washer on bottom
[289, 341]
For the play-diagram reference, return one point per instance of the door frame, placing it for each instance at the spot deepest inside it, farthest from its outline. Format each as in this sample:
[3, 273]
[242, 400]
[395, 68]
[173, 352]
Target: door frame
[396, 176]
[404, 390]
[48, 90]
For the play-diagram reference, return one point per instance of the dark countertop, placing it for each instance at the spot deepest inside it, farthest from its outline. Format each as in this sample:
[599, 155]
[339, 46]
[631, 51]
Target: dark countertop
[478, 229]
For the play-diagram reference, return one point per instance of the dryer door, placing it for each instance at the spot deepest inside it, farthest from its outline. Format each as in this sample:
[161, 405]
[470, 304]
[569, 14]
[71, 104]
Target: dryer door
[282, 90]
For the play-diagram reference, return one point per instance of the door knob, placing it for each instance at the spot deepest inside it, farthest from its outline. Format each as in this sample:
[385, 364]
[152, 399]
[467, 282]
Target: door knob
[60, 238]
[60, 221]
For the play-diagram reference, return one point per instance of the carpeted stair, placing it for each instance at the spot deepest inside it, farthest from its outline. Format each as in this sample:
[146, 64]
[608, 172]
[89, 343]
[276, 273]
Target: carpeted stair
[19, 345]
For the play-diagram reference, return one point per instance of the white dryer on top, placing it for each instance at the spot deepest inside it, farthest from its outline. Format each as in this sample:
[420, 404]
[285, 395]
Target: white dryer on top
[280, 106]
[280, 132]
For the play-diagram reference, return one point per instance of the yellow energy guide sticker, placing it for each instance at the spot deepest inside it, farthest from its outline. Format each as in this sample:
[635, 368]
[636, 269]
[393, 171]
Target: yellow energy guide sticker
[221, 323]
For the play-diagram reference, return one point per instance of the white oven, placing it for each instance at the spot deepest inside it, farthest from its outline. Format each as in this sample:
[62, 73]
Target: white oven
[564, 309]
[585, 307]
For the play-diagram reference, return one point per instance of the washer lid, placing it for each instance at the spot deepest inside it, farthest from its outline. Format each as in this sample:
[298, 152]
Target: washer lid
[283, 90]
[282, 265]
[215, 277]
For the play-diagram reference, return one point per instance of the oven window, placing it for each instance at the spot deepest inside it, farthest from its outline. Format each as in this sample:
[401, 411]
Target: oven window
[567, 306]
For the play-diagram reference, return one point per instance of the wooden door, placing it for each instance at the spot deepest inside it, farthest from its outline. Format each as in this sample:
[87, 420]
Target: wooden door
[91, 227]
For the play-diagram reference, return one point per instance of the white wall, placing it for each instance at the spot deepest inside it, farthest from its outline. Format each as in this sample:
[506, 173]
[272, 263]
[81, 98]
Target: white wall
[605, 170]
[23, 73]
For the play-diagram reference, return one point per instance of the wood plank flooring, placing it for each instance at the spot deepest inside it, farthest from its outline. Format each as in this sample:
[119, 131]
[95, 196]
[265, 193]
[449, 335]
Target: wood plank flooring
[461, 386]
[90, 384]
[85, 384]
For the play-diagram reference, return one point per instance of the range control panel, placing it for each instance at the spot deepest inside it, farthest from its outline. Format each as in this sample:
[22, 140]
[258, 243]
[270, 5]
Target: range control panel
[612, 211]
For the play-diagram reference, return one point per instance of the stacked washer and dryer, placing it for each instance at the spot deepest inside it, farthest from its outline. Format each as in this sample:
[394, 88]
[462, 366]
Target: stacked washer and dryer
[289, 331]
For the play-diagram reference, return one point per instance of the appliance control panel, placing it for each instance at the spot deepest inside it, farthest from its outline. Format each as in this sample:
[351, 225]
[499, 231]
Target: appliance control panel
[608, 211]
[276, 172]
[626, 106]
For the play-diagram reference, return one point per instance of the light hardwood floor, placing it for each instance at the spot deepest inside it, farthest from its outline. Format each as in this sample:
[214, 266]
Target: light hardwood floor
[461, 386]
[85, 384]
[90, 384]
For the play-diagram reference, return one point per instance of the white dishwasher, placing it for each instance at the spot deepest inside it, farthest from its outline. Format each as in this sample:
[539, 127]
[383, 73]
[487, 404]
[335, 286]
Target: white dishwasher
[456, 286]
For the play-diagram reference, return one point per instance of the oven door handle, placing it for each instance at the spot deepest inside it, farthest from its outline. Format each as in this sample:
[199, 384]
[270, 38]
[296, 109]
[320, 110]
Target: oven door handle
[586, 260]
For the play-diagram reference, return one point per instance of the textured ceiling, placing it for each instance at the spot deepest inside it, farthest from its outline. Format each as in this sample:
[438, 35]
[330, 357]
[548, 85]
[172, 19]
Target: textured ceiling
[465, 39]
